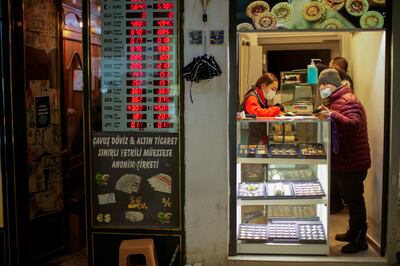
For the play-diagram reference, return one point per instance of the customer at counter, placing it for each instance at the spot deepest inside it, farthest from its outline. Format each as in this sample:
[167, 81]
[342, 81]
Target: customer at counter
[350, 156]
[256, 99]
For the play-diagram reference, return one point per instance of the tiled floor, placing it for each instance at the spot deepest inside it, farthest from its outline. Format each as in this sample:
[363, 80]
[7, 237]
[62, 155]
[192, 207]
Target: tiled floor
[71, 259]
[338, 224]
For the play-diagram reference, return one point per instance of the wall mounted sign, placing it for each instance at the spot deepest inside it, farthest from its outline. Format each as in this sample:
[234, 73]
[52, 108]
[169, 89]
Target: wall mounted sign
[310, 15]
[136, 180]
[139, 67]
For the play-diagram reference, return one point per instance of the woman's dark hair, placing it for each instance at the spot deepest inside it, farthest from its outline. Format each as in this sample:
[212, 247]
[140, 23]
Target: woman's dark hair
[266, 78]
[341, 62]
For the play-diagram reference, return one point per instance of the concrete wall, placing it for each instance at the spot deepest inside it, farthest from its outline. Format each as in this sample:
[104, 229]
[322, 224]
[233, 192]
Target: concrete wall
[368, 65]
[206, 143]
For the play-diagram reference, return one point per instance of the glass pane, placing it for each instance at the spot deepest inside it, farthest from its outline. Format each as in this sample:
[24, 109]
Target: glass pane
[42, 95]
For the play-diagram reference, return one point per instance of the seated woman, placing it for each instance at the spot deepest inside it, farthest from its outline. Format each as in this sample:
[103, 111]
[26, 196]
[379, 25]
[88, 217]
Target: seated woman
[256, 102]
[256, 99]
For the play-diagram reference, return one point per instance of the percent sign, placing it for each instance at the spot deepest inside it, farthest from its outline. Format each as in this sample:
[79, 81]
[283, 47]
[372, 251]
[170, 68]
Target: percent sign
[166, 202]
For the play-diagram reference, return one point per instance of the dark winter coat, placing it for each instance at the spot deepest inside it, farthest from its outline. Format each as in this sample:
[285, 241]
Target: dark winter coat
[350, 118]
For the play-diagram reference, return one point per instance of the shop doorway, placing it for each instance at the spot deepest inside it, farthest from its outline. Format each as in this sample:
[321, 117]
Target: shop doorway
[268, 52]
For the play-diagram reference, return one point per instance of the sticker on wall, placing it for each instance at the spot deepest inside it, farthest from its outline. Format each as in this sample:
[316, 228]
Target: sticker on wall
[217, 37]
[245, 26]
[195, 37]
[128, 183]
[42, 109]
[107, 198]
[283, 12]
[136, 202]
[313, 11]
[164, 217]
[166, 202]
[134, 216]
[357, 7]
[332, 24]
[161, 182]
[102, 179]
[257, 8]
[275, 15]
[372, 20]
[103, 217]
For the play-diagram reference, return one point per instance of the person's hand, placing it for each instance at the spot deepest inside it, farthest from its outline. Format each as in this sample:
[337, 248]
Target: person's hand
[280, 106]
[322, 112]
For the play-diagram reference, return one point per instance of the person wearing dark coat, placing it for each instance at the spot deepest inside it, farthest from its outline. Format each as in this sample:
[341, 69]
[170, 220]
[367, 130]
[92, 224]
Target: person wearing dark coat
[350, 159]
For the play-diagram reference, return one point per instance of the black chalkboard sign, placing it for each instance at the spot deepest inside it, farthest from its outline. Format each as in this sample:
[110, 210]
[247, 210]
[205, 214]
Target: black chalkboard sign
[136, 182]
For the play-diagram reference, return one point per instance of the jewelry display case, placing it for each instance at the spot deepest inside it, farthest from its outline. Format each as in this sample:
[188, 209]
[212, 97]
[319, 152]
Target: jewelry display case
[282, 182]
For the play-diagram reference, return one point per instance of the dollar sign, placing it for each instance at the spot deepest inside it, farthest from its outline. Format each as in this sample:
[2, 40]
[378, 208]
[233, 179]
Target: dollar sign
[107, 218]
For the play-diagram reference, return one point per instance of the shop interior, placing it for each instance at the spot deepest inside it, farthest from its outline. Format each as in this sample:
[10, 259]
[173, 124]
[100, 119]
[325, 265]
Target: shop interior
[279, 52]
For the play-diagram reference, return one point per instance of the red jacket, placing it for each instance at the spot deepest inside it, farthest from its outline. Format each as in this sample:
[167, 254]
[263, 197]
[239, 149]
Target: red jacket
[255, 103]
[350, 118]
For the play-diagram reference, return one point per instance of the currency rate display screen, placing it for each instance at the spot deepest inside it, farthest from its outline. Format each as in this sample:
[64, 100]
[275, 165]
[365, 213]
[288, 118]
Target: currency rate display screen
[139, 87]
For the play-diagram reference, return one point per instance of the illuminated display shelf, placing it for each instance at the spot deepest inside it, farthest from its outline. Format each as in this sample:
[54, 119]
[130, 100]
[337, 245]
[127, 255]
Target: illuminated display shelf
[307, 131]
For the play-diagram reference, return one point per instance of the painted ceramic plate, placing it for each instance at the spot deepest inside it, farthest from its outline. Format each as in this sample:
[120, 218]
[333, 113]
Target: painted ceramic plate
[245, 26]
[334, 4]
[372, 20]
[357, 7]
[332, 24]
[313, 11]
[283, 11]
[257, 8]
[265, 21]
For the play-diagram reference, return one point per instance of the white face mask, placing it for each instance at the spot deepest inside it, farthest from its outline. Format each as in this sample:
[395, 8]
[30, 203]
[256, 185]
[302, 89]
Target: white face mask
[325, 92]
[269, 95]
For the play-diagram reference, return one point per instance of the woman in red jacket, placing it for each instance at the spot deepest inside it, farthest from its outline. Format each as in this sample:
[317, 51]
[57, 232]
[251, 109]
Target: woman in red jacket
[350, 154]
[256, 102]
[256, 99]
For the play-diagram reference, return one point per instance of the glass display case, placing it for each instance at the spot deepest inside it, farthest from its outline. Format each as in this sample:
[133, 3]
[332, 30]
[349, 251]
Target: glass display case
[282, 186]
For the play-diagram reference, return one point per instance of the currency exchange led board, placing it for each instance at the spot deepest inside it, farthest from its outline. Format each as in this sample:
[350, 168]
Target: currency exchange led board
[139, 66]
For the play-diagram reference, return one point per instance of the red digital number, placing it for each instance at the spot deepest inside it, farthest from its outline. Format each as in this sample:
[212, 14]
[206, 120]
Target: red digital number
[163, 91]
[133, 108]
[135, 66]
[165, 6]
[137, 124]
[163, 124]
[137, 6]
[163, 23]
[162, 65]
[162, 48]
[163, 74]
[138, 23]
[136, 91]
[137, 32]
[136, 82]
[161, 108]
[136, 49]
[164, 31]
[136, 57]
[163, 99]
[162, 40]
[137, 116]
[162, 116]
[136, 40]
[136, 74]
[164, 82]
[164, 57]
[136, 99]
